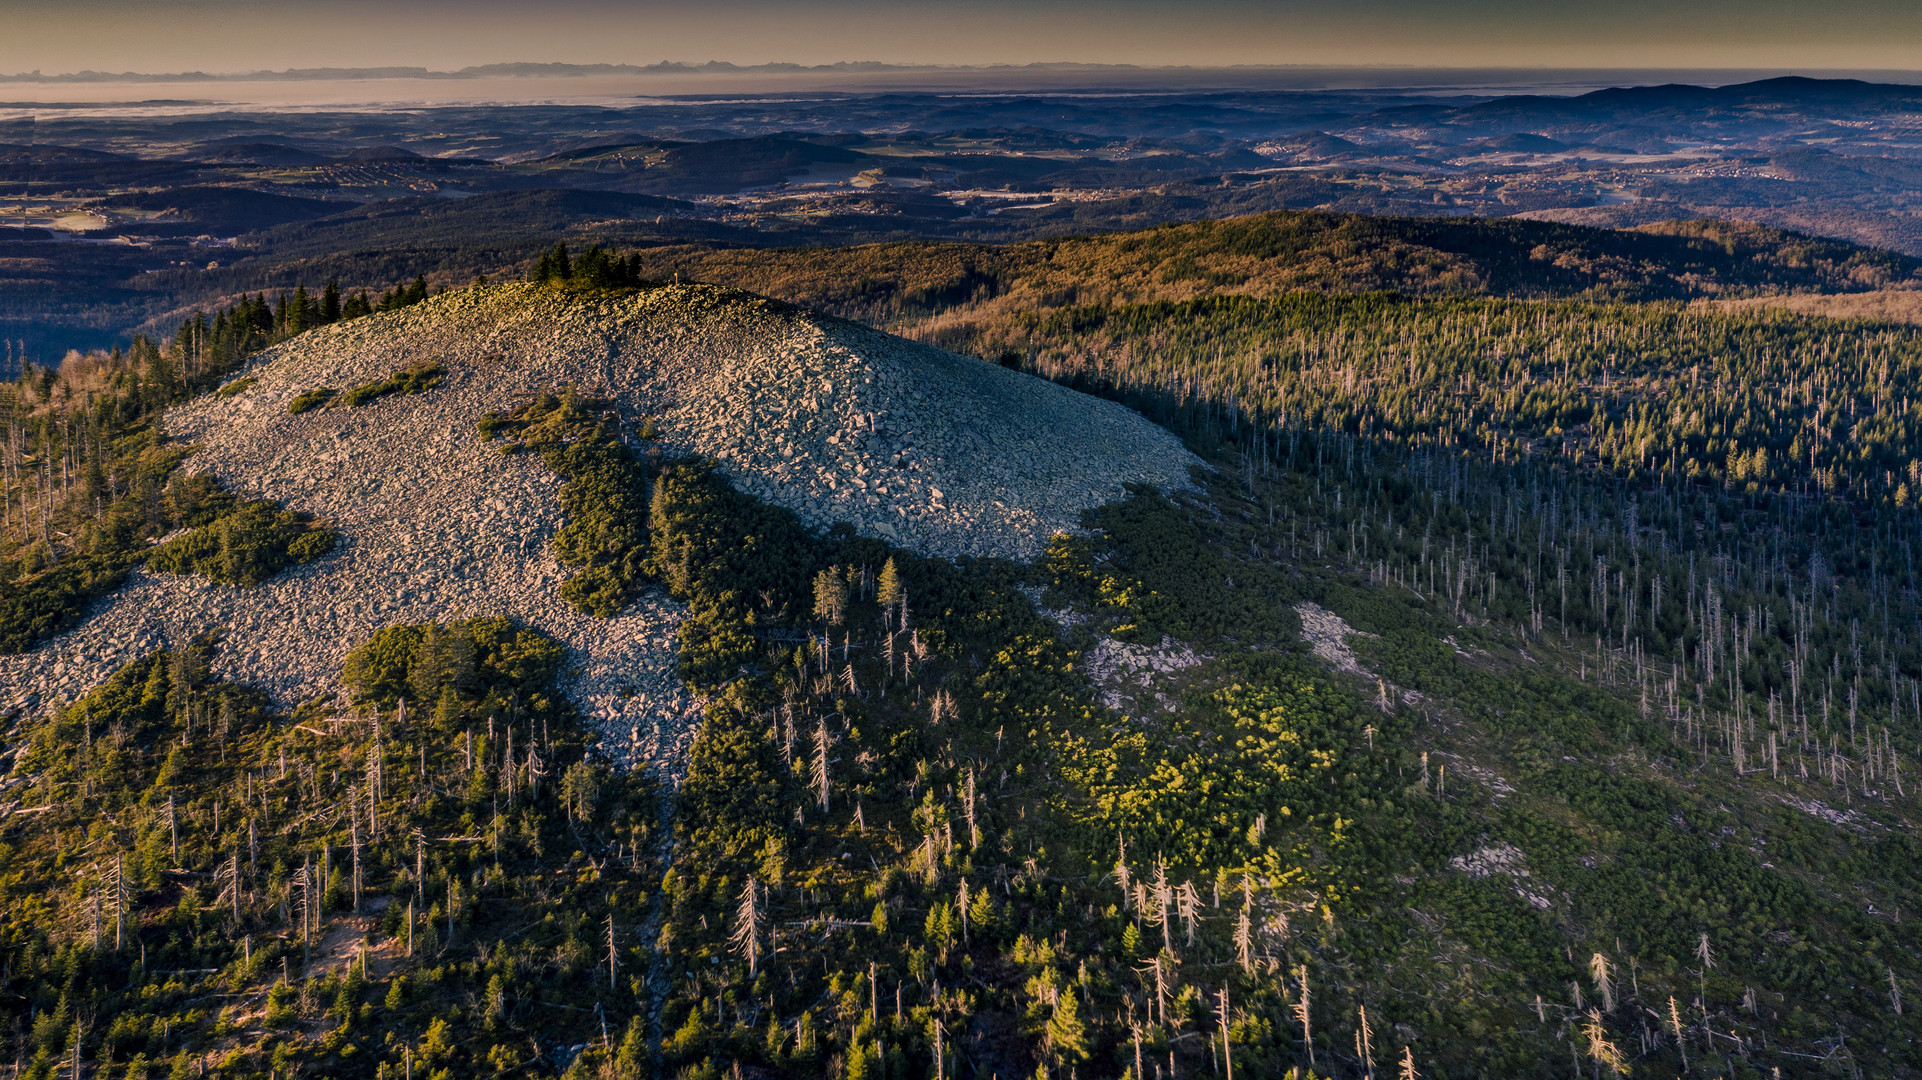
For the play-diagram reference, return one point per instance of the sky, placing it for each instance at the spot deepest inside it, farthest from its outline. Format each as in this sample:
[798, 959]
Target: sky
[225, 36]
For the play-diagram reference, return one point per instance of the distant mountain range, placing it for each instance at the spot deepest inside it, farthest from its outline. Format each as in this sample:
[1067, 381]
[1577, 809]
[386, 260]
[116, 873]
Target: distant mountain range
[1636, 84]
[526, 70]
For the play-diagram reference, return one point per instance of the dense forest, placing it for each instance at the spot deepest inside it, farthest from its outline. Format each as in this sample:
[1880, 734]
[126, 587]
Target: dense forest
[1756, 401]
[1610, 777]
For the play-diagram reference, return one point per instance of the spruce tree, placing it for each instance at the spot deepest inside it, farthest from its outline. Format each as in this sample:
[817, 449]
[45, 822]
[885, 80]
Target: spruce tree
[830, 597]
[431, 667]
[888, 589]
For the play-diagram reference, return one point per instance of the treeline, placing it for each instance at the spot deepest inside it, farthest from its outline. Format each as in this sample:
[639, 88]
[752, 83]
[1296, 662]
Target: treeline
[254, 322]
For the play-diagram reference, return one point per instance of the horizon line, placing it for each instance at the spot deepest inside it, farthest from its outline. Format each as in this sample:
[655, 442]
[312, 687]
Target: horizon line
[554, 69]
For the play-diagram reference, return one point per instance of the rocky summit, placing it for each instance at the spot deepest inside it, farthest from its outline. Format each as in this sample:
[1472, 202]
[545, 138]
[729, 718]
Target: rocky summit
[944, 454]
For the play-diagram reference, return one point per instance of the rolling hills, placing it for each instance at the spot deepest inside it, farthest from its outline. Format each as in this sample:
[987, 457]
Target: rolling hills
[1268, 255]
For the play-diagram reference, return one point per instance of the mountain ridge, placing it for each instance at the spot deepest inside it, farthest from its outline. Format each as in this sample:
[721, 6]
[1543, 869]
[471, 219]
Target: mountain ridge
[833, 420]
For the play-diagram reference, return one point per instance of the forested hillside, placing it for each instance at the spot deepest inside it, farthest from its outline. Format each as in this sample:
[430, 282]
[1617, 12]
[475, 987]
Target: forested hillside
[913, 831]
[1269, 255]
[1755, 401]
[1432, 332]
[1530, 686]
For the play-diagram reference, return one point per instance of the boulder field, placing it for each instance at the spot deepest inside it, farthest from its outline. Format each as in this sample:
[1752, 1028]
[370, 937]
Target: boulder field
[943, 454]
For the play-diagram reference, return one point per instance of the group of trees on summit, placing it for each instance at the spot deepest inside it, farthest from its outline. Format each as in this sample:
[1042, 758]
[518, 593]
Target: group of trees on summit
[593, 269]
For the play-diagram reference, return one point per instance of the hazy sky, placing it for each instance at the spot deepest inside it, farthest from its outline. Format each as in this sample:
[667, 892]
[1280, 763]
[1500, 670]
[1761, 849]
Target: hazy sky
[246, 35]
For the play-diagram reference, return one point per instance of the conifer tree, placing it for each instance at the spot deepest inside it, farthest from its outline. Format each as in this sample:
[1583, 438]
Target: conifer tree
[747, 925]
[432, 665]
[579, 791]
[830, 597]
[888, 589]
[1067, 1036]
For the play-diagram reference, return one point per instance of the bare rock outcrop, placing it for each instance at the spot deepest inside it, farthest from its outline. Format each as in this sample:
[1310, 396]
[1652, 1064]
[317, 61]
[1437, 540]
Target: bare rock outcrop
[941, 453]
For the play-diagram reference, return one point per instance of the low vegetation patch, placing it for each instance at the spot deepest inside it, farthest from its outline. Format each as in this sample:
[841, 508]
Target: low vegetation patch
[45, 587]
[47, 601]
[232, 542]
[68, 534]
[416, 379]
[721, 552]
[246, 546]
[605, 499]
[309, 400]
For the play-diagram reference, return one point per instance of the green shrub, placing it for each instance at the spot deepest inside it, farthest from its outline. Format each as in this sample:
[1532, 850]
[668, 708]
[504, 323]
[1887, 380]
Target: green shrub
[477, 657]
[282, 1005]
[416, 379]
[361, 395]
[312, 544]
[43, 604]
[245, 547]
[312, 399]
